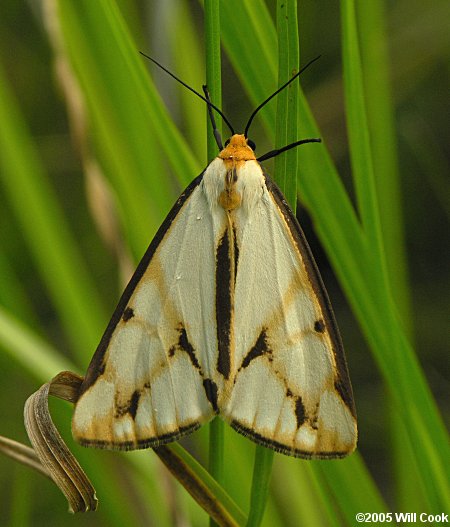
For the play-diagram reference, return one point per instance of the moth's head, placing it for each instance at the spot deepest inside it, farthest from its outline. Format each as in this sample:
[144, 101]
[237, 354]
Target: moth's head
[238, 148]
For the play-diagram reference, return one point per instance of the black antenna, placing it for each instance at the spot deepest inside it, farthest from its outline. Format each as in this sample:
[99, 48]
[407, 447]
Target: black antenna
[209, 103]
[274, 153]
[276, 93]
[216, 132]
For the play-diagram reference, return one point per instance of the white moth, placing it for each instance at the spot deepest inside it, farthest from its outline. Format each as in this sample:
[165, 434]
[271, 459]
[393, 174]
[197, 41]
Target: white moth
[226, 314]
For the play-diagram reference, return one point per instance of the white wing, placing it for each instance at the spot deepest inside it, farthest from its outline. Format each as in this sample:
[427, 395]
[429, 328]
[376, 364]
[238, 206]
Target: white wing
[149, 380]
[226, 313]
[290, 388]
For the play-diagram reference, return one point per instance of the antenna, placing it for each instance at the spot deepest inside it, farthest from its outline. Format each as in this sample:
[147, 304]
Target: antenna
[216, 132]
[276, 93]
[274, 153]
[208, 102]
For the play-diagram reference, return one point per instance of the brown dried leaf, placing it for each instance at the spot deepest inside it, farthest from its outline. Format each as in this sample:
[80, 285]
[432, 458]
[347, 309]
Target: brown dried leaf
[49, 446]
[195, 486]
[52, 457]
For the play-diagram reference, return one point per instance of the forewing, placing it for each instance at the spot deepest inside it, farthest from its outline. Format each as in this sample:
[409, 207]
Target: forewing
[145, 384]
[291, 389]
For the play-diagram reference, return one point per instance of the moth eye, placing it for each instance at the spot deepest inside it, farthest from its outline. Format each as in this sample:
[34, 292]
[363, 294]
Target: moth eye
[251, 144]
[227, 142]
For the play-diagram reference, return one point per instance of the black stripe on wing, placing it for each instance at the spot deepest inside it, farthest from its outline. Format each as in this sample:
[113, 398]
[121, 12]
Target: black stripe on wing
[342, 383]
[96, 366]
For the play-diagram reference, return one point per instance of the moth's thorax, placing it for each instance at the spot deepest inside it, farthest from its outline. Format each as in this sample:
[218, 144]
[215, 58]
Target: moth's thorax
[234, 179]
[237, 152]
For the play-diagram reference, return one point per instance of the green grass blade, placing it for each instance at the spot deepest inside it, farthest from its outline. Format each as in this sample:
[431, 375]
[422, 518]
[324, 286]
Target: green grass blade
[216, 489]
[257, 54]
[392, 350]
[21, 499]
[301, 494]
[381, 120]
[46, 231]
[360, 494]
[360, 150]
[371, 17]
[213, 68]
[29, 350]
[189, 64]
[214, 83]
[130, 123]
[286, 165]
[13, 294]
[262, 471]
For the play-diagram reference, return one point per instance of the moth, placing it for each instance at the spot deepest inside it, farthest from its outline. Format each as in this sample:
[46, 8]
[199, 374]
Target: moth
[226, 314]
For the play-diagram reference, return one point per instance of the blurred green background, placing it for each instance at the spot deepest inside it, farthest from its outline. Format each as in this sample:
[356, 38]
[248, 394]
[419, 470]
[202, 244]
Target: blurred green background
[91, 159]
